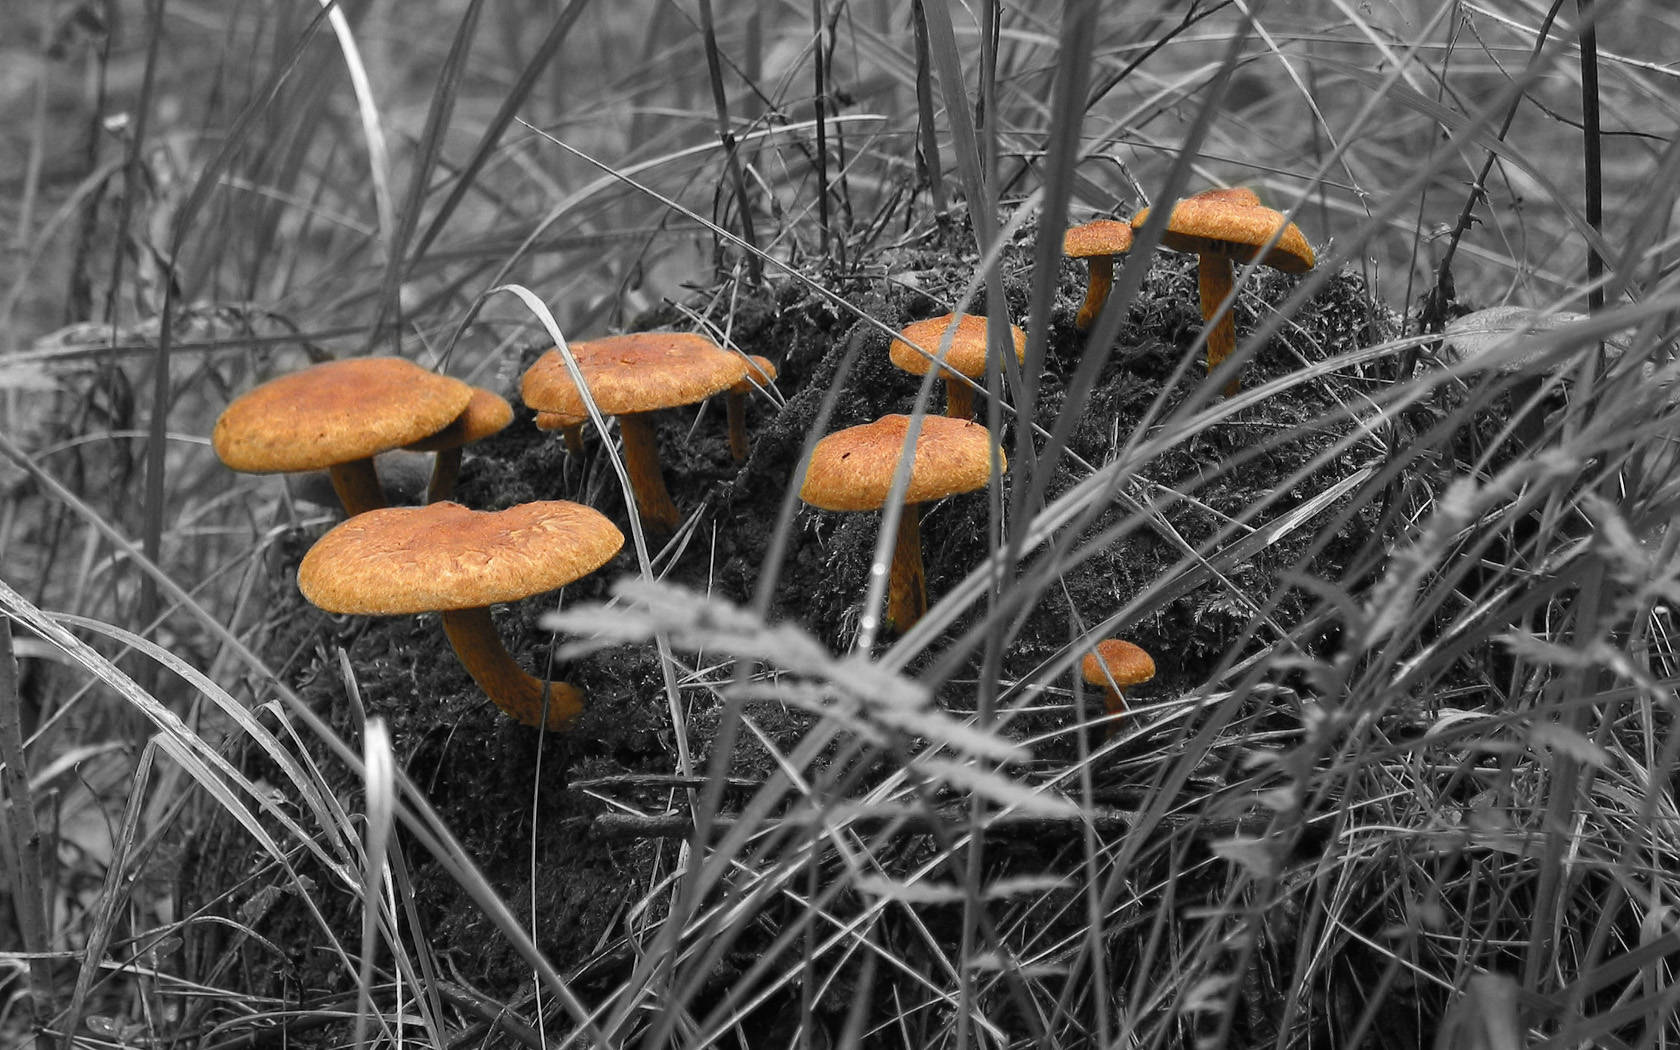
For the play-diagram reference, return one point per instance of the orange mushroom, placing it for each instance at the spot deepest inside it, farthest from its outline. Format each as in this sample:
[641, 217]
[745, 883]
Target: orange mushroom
[485, 414]
[336, 416]
[1223, 227]
[967, 355]
[631, 377]
[445, 558]
[1099, 243]
[1116, 666]
[853, 469]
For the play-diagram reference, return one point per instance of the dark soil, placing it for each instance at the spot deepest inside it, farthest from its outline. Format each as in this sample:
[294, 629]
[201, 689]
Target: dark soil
[480, 770]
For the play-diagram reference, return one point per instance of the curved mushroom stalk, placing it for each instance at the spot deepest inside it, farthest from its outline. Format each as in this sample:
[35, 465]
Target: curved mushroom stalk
[357, 485]
[641, 461]
[959, 398]
[1100, 280]
[906, 578]
[1214, 281]
[518, 694]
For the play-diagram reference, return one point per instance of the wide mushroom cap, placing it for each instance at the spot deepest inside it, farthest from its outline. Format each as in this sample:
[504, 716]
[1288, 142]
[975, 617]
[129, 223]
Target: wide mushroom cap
[1097, 238]
[336, 412]
[1234, 223]
[1120, 661]
[968, 345]
[852, 469]
[638, 372]
[405, 560]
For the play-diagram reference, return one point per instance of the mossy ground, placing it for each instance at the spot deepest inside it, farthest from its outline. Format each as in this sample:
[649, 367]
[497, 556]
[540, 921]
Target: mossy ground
[480, 771]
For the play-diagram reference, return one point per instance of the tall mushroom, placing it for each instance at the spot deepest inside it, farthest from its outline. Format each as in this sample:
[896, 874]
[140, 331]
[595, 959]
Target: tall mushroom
[485, 414]
[1223, 227]
[852, 470]
[631, 377]
[1116, 665]
[1099, 243]
[445, 558]
[967, 355]
[336, 416]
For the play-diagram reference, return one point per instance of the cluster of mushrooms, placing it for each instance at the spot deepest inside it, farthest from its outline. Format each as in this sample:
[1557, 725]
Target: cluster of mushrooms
[445, 558]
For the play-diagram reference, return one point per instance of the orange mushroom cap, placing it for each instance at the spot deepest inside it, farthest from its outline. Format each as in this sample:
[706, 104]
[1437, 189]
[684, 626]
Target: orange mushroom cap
[761, 371]
[334, 413]
[638, 372]
[405, 560]
[1097, 238]
[968, 345]
[1233, 223]
[1120, 661]
[852, 469]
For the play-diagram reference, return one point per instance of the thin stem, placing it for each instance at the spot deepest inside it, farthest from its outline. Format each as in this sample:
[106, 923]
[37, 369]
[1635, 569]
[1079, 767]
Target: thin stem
[1214, 281]
[1101, 269]
[906, 580]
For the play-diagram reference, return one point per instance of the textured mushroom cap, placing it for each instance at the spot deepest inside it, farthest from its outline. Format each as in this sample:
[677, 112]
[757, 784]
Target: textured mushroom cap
[968, 346]
[336, 412]
[1098, 237]
[1126, 663]
[1235, 224]
[485, 414]
[639, 372]
[558, 420]
[759, 373]
[852, 469]
[404, 560]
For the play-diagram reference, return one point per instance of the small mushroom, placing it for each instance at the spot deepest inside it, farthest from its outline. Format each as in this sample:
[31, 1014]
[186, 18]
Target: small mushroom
[852, 470]
[760, 374]
[445, 558]
[631, 377]
[1116, 666]
[967, 355]
[1099, 243]
[570, 427]
[485, 414]
[336, 416]
[1223, 227]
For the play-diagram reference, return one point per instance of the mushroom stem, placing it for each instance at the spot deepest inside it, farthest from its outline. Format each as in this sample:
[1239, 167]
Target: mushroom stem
[959, 398]
[518, 694]
[446, 469]
[1214, 280]
[641, 460]
[1096, 291]
[738, 447]
[357, 485]
[906, 580]
[1114, 702]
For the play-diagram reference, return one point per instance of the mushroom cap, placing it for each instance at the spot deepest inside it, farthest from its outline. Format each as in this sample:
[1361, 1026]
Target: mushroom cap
[336, 412]
[639, 372]
[1126, 663]
[852, 469]
[760, 372]
[1098, 237]
[968, 345]
[558, 420]
[1233, 223]
[485, 414]
[404, 560]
